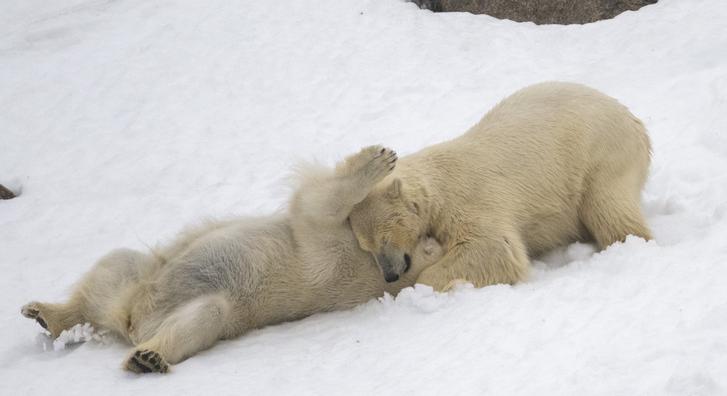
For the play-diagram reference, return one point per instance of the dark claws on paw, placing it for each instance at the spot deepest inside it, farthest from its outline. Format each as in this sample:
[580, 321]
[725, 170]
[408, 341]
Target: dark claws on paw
[147, 361]
[31, 313]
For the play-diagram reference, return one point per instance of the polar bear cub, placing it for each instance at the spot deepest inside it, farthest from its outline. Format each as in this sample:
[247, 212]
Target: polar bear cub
[222, 279]
[553, 163]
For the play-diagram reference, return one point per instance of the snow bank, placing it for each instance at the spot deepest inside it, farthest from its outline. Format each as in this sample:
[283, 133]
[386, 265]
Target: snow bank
[123, 121]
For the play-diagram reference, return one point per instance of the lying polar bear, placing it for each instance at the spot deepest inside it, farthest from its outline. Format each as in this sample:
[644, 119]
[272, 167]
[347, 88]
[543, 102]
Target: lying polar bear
[551, 164]
[222, 279]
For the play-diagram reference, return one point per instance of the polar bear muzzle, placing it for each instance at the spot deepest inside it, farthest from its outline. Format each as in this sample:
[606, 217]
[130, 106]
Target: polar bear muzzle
[393, 263]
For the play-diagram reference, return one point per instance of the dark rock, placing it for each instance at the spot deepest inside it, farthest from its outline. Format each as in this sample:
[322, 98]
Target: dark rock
[561, 12]
[5, 193]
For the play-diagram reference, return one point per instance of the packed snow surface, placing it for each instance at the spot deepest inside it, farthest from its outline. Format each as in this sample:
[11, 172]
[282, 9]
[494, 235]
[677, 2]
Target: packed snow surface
[123, 121]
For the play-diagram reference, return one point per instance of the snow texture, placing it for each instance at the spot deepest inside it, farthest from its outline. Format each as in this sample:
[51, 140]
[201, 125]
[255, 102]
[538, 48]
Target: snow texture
[123, 121]
[77, 334]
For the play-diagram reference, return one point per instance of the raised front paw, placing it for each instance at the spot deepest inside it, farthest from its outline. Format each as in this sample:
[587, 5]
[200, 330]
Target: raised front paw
[146, 361]
[371, 164]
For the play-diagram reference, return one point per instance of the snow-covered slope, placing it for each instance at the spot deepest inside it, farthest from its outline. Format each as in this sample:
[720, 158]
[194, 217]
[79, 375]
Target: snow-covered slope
[122, 121]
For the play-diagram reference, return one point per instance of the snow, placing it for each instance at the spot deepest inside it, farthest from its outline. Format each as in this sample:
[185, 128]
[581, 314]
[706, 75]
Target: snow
[77, 334]
[123, 121]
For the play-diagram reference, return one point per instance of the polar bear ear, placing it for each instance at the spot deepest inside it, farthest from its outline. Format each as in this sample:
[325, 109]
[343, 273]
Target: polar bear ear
[394, 189]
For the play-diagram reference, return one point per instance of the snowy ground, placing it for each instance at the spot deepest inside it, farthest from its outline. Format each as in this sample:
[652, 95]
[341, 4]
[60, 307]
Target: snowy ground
[122, 121]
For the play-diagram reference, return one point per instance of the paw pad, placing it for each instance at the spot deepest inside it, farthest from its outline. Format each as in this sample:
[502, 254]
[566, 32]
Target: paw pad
[147, 361]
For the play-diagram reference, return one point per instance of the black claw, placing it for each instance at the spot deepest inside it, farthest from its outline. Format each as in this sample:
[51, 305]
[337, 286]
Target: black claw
[148, 361]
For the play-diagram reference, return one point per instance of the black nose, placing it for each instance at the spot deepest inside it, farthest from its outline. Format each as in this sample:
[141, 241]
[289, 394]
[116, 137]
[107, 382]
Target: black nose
[391, 278]
[407, 260]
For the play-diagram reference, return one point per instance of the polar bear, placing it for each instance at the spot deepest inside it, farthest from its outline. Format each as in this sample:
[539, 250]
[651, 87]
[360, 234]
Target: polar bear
[553, 163]
[221, 279]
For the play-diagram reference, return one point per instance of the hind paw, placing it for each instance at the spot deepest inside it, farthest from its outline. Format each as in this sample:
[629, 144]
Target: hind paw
[33, 311]
[146, 361]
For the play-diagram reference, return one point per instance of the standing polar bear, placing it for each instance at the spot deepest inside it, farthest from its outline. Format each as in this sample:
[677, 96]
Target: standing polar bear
[222, 279]
[553, 163]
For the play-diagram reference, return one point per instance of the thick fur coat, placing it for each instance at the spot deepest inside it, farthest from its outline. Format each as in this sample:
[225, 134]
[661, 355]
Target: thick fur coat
[224, 278]
[551, 164]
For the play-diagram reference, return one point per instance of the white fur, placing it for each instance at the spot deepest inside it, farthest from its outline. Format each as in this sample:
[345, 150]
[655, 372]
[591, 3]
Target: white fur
[224, 278]
[553, 163]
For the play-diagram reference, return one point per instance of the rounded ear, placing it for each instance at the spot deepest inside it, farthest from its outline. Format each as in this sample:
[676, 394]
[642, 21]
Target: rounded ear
[394, 189]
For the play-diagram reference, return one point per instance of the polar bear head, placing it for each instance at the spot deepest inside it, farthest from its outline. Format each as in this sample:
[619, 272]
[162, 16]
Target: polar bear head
[389, 224]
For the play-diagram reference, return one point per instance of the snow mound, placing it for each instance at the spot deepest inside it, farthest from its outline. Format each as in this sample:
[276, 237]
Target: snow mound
[124, 121]
[78, 334]
[74, 336]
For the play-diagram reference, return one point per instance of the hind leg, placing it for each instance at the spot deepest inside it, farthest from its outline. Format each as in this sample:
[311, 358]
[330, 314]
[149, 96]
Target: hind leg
[53, 317]
[612, 212]
[96, 298]
[192, 327]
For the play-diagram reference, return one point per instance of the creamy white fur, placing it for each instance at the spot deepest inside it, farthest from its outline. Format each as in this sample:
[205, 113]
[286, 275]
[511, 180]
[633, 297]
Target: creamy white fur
[223, 278]
[553, 163]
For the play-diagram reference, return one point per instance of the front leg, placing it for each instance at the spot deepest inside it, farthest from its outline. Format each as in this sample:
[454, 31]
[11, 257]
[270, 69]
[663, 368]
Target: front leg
[327, 197]
[356, 176]
[366, 168]
[483, 261]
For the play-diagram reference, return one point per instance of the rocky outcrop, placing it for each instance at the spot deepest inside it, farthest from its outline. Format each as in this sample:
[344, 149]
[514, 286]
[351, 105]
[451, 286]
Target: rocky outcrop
[561, 12]
[5, 193]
